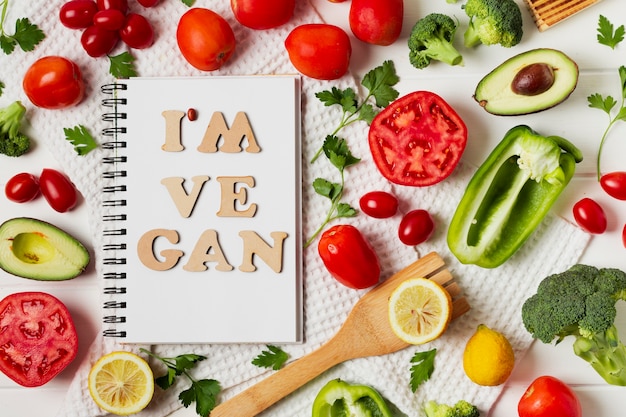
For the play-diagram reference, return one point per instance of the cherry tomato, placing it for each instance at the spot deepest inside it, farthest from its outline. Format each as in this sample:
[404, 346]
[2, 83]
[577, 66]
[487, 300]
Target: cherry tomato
[379, 204]
[137, 31]
[22, 187]
[97, 41]
[624, 236]
[205, 39]
[58, 190]
[38, 338]
[614, 184]
[54, 82]
[319, 50]
[121, 5]
[416, 227]
[548, 396]
[263, 14]
[148, 3]
[417, 140]
[378, 22]
[110, 19]
[590, 216]
[349, 257]
[78, 14]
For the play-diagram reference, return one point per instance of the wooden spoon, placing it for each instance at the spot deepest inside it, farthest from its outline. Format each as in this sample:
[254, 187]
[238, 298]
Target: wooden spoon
[366, 332]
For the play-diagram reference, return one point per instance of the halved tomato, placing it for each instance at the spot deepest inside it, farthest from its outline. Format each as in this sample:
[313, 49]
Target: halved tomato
[417, 140]
[38, 338]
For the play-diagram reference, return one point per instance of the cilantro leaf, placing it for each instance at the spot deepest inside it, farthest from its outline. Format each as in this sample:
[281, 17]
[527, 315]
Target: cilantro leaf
[326, 188]
[203, 392]
[82, 140]
[27, 35]
[607, 35]
[274, 357]
[424, 365]
[344, 98]
[380, 82]
[607, 104]
[122, 65]
[337, 151]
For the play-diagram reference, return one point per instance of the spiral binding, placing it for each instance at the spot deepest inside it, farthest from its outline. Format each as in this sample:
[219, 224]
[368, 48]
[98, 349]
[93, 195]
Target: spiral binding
[114, 259]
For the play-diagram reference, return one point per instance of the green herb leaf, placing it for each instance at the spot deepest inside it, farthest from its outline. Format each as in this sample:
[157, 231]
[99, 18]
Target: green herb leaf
[82, 140]
[326, 188]
[27, 34]
[188, 2]
[424, 365]
[274, 357]
[122, 65]
[607, 35]
[337, 151]
[607, 104]
[345, 210]
[1, 87]
[203, 392]
[380, 82]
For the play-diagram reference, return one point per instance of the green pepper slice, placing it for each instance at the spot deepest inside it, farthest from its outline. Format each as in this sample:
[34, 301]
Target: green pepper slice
[341, 399]
[509, 196]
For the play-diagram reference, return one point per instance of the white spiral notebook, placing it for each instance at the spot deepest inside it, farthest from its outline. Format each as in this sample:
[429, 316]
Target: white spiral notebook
[202, 210]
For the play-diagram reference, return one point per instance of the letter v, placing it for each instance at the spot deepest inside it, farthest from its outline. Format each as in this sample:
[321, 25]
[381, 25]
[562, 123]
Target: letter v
[184, 202]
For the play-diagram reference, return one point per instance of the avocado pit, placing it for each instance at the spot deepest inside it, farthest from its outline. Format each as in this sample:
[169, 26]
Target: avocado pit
[533, 79]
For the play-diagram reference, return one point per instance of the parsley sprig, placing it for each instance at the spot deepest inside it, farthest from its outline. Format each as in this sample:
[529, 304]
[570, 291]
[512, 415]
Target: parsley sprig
[607, 104]
[609, 35]
[274, 357]
[27, 35]
[122, 65]
[379, 82]
[203, 392]
[423, 368]
[81, 138]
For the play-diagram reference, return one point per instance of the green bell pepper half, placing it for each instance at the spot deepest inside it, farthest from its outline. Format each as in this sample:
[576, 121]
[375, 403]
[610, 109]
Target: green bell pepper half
[509, 196]
[341, 399]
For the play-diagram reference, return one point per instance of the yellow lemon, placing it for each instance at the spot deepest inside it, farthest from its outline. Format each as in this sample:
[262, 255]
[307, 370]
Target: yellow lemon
[419, 310]
[121, 383]
[488, 358]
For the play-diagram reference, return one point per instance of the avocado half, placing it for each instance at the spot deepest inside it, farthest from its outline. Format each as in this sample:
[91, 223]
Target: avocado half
[35, 249]
[496, 91]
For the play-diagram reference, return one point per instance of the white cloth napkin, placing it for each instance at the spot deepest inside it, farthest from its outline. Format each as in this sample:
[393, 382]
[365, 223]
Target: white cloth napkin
[495, 295]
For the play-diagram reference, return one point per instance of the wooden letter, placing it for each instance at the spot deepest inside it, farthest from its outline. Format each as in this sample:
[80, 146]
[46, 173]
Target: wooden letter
[173, 142]
[232, 137]
[230, 196]
[145, 250]
[253, 244]
[184, 202]
[201, 254]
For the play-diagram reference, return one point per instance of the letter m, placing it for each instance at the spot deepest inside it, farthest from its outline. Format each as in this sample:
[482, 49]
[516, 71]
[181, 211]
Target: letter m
[232, 137]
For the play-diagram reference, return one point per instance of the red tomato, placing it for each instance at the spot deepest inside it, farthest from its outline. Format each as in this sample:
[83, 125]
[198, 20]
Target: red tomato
[58, 190]
[121, 5]
[417, 140]
[319, 50]
[78, 14]
[110, 19]
[54, 82]
[624, 236]
[548, 396]
[137, 31]
[614, 183]
[590, 216]
[263, 14]
[22, 187]
[377, 22]
[416, 227]
[148, 3]
[379, 204]
[38, 338]
[205, 39]
[349, 257]
[97, 41]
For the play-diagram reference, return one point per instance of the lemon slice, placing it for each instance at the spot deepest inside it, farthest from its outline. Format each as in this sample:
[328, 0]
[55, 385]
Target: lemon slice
[419, 310]
[121, 383]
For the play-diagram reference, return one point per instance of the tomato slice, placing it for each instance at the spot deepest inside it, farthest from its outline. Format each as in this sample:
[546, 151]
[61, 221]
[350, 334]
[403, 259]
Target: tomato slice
[37, 338]
[417, 140]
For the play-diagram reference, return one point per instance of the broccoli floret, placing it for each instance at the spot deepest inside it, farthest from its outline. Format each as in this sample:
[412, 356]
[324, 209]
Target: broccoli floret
[12, 141]
[431, 38]
[461, 409]
[580, 302]
[493, 22]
